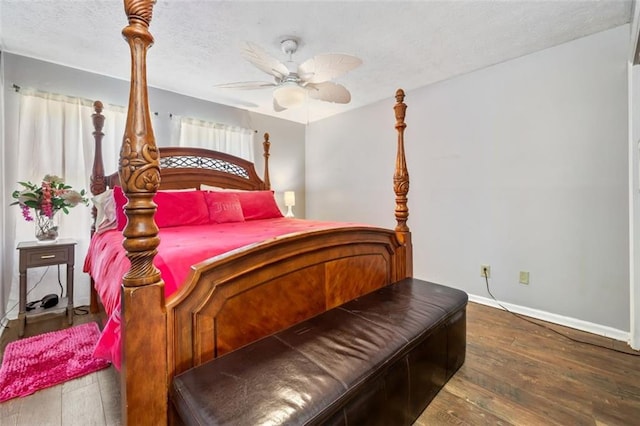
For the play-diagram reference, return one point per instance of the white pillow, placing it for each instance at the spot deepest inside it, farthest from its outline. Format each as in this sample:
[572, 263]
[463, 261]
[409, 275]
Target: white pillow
[178, 190]
[204, 187]
[106, 218]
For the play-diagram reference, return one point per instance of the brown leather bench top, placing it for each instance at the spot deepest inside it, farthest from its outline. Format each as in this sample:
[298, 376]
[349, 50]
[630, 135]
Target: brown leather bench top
[317, 371]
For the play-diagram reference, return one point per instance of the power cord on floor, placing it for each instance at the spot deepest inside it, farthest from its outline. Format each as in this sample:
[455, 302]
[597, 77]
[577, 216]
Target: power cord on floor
[2, 324]
[60, 282]
[81, 311]
[549, 328]
[77, 310]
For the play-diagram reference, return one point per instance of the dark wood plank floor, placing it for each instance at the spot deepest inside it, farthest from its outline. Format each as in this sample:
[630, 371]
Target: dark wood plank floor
[515, 374]
[521, 374]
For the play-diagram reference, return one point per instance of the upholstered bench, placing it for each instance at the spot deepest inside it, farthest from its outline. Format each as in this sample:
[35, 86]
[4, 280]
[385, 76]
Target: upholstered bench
[379, 359]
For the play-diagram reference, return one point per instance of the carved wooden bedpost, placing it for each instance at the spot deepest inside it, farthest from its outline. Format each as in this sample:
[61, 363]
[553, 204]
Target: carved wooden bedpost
[144, 367]
[266, 145]
[98, 184]
[401, 184]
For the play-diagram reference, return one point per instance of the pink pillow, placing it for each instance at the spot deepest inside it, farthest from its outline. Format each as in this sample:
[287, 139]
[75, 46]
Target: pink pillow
[121, 200]
[174, 208]
[224, 207]
[258, 205]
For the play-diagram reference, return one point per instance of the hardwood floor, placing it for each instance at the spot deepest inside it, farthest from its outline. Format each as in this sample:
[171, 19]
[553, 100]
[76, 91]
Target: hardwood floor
[521, 374]
[515, 373]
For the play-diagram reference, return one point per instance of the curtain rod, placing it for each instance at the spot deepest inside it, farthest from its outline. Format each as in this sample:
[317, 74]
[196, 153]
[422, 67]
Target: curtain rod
[45, 94]
[207, 121]
[40, 92]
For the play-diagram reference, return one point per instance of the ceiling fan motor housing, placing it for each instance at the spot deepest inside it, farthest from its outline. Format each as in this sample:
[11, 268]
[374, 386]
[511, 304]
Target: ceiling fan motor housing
[289, 46]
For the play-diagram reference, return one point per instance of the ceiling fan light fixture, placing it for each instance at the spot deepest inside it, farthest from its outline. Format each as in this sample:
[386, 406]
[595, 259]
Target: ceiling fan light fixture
[293, 82]
[289, 95]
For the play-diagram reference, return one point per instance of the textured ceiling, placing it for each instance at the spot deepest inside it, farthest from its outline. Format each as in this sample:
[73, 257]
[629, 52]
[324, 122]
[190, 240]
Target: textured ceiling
[405, 44]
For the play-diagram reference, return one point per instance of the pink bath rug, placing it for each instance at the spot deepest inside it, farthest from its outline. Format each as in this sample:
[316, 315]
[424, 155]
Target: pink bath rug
[48, 359]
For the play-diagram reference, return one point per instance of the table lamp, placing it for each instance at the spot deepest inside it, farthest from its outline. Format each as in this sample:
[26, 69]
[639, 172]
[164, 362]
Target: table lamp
[289, 201]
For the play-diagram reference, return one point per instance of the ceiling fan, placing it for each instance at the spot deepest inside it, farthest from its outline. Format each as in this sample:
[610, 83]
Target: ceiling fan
[292, 82]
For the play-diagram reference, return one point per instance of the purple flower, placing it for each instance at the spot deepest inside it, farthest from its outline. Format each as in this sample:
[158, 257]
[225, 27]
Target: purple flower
[26, 213]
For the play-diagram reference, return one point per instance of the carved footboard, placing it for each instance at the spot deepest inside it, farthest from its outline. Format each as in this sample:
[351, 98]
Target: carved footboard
[240, 297]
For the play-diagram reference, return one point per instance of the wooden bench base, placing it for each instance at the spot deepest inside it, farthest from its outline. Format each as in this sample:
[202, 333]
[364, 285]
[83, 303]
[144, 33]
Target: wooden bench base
[379, 359]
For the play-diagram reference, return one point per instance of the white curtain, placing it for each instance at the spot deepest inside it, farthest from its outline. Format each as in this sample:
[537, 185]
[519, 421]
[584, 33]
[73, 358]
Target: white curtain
[55, 137]
[220, 137]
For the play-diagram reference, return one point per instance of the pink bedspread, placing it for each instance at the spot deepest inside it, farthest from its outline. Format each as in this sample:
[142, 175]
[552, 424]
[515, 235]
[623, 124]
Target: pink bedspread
[180, 247]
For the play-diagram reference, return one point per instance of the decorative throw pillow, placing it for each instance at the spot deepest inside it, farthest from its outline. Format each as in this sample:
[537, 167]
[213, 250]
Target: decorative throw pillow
[181, 208]
[175, 208]
[106, 218]
[120, 200]
[258, 205]
[223, 207]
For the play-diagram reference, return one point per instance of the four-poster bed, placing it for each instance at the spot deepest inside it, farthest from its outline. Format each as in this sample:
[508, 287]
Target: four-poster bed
[237, 297]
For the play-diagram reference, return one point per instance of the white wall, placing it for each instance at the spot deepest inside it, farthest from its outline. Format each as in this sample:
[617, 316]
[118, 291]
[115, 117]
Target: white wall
[634, 204]
[286, 162]
[287, 148]
[522, 166]
[634, 181]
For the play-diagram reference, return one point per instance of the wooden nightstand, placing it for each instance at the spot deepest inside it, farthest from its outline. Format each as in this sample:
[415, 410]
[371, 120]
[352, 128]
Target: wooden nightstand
[33, 255]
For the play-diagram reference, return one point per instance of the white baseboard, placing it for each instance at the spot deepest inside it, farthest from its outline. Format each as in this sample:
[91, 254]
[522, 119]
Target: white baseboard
[589, 327]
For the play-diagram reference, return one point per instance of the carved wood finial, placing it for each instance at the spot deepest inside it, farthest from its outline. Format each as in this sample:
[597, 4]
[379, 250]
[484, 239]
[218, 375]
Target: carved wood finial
[266, 145]
[139, 10]
[400, 98]
[401, 175]
[97, 182]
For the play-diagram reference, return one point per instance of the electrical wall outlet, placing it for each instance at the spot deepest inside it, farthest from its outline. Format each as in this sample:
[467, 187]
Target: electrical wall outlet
[485, 271]
[524, 277]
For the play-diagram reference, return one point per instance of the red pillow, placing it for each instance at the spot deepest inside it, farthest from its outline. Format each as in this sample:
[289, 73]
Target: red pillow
[174, 208]
[258, 205]
[224, 207]
[120, 200]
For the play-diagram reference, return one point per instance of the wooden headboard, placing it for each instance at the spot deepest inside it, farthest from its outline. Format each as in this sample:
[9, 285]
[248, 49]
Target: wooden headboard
[183, 167]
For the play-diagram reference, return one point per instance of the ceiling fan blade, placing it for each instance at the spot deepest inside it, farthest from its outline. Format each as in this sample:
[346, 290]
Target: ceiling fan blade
[329, 92]
[258, 57]
[327, 66]
[277, 107]
[246, 85]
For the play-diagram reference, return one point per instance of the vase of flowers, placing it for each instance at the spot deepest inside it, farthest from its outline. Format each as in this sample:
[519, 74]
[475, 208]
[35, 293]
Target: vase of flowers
[48, 198]
[46, 227]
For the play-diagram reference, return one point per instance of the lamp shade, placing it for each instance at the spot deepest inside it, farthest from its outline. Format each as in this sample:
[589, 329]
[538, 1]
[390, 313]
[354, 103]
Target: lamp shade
[289, 198]
[289, 95]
